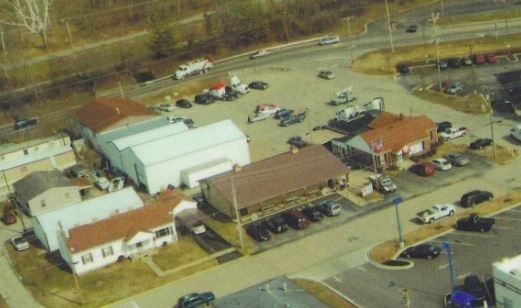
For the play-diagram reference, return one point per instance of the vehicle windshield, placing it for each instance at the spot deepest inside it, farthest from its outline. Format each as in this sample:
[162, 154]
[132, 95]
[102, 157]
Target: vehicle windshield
[386, 181]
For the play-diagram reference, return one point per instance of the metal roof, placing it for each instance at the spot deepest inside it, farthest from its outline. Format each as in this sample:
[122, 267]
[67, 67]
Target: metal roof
[154, 123]
[187, 142]
[90, 211]
[149, 135]
[38, 182]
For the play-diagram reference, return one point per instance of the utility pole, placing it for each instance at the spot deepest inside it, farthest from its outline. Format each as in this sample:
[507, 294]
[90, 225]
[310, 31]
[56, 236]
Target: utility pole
[389, 25]
[438, 63]
[69, 33]
[121, 90]
[494, 150]
[448, 248]
[4, 49]
[442, 9]
[237, 214]
[396, 202]
[472, 68]
[285, 25]
[348, 18]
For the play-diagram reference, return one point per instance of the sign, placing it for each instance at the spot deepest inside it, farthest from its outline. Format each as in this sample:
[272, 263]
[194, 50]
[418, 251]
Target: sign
[397, 200]
[367, 190]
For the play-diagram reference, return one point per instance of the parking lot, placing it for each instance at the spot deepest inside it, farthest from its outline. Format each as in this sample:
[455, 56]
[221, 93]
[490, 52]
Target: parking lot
[429, 280]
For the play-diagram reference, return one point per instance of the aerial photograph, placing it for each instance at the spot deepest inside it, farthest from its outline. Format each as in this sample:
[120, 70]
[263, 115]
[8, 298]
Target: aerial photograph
[260, 153]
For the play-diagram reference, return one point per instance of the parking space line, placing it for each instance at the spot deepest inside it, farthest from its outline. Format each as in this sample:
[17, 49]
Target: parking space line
[473, 234]
[454, 243]
[443, 266]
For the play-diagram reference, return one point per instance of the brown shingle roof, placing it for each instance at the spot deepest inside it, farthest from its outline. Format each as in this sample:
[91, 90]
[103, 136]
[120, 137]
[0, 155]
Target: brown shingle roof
[403, 131]
[123, 225]
[383, 119]
[102, 113]
[282, 174]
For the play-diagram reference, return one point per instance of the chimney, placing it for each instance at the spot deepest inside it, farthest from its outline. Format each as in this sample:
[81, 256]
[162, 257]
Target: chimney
[293, 149]
[237, 168]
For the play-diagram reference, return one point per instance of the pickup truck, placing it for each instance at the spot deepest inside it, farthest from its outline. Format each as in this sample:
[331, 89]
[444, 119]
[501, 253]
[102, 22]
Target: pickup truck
[475, 223]
[383, 183]
[453, 132]
[435, 212]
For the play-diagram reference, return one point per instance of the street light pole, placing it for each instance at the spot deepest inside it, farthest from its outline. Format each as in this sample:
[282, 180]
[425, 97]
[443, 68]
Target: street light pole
[494, 150]
[348, 18]
[389, 25]
[448, 248]
[396, 202]
[438, 63]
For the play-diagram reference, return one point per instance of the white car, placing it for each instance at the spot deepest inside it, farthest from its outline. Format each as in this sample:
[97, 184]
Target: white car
[328, 40]
[198, 228]
[260, 54]
[453, 132]
[166, 107]
[441, 164]
[435, 212]
[19, 243]
[102, 183]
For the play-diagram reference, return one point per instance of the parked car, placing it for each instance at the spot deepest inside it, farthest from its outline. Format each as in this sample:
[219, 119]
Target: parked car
[453, 132]
[475, 223]
[174, 120]
[442, 126]
[183, 103]
[383, 183]
[454, 63]
[296, 220]
[328, 40]
[330, 208]
[435, 212]
[441, 164]
[480, 143]
[204, 99]
[458, 298]
[478, 59]
[474, 197]
[283, 113]
[473, 285]
[402, 69]
[25, 123]
[258, 232]
[19, 243]
[423, 169]
[411, 28]
[166, 107]
[455, 88]
[326, 74]
[229, 96]
[293, 118]
[195, 300]
[491, 58]
[466, 61]
[456, 159]
[422, 251]
[443, 64]
[258, 85]
[198, 228]
[275, 224]
[8, 218]
[297, 142]
[312, 213]
[260, 54]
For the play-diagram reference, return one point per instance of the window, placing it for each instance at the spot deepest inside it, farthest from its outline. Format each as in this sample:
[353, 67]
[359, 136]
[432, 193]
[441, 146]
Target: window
[26, 152]
[107, 251]
[163, 232]
[139, 245]
[87, 258]
[42, 203]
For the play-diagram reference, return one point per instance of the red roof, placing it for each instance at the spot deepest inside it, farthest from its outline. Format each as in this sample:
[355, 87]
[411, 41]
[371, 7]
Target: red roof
[279, 175]
[102, 113]
[394, 135]
[123, 226]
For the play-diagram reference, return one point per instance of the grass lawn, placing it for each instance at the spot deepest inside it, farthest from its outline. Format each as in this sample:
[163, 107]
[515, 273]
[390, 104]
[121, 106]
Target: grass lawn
[322, 293]
[184, 251]
[471, 103]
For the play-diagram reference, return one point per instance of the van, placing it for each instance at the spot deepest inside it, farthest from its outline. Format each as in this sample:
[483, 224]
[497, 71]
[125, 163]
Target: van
[296, 220]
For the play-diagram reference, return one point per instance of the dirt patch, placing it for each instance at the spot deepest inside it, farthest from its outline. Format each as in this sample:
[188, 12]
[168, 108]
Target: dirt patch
[322, 293]
[472, 103]
[503, 155]
[387, 250]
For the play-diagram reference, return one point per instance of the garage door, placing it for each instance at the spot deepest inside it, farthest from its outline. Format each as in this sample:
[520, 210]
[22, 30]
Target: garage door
[416, 148]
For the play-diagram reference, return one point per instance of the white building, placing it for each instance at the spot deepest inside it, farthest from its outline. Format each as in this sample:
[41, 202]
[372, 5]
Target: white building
[186, 157]
[18, 160]
[47, 226]
[507, 282]
[134, 233]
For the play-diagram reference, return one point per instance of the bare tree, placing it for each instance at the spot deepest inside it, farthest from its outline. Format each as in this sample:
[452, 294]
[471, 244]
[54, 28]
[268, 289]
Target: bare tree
[30, 14]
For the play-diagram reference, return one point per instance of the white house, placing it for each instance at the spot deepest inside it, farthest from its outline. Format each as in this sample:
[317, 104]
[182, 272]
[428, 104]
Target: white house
[186, 157]
[48, 225]
[137, 232]
[507, 282]
[44, 191]
[17, 160]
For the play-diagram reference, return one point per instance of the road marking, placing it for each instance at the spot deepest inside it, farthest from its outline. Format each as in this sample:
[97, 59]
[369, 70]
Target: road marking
[455, 243]
[474, 234]
[443, 266]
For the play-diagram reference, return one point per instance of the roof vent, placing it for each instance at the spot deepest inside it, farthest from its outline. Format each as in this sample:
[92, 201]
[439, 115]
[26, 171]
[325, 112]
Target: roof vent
[293, 149]
[237, 168]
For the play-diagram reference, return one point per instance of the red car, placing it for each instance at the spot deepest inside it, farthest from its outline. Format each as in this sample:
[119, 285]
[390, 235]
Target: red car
[423, 169]
[8, 218]
[491, 58]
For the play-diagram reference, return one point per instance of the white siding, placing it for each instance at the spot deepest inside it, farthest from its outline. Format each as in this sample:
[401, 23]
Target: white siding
[191, 176]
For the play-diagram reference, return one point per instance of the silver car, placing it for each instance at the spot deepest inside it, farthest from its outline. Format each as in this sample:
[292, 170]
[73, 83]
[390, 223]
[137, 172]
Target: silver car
[328, 40]
[456, 159]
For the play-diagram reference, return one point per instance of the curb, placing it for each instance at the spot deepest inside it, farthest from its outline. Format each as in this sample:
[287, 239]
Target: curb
[346, 298]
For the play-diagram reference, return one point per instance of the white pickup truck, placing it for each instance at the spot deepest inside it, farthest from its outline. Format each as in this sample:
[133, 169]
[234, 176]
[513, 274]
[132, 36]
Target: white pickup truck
[435, 212]
[383, 183]
[453, 132]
